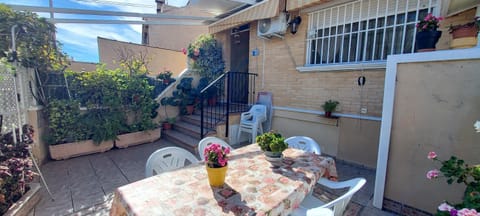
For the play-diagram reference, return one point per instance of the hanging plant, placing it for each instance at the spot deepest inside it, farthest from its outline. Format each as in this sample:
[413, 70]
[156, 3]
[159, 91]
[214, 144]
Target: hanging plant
[206, 52]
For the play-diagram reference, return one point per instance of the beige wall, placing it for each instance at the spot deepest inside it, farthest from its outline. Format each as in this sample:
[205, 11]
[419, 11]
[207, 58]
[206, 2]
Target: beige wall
[82, 66]
[435, 107]
[158, 59]
[174, 37]
[37, 119]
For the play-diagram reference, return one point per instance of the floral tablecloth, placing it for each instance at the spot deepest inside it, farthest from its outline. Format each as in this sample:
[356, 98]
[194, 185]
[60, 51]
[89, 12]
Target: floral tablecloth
[253, 186]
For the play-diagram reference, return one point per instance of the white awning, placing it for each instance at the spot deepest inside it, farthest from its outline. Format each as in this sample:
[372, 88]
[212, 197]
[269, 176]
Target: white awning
[262, 10]
[298, 4]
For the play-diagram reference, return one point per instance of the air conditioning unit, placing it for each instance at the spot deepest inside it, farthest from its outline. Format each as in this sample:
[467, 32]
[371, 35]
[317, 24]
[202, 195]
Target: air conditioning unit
[275, 26]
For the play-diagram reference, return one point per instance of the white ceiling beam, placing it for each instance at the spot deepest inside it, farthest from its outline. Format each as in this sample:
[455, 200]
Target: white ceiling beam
[104, 13]
[250, 2]
[128, 22]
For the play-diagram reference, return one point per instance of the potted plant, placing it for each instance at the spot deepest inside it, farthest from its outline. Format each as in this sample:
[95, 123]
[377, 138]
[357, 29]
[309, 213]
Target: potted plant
[216, 162]
[17, 192]
[184, 96]
[272, 144]
[427, 33]
[464, 35]
[168, 123]
[329, 107]
[165, 76]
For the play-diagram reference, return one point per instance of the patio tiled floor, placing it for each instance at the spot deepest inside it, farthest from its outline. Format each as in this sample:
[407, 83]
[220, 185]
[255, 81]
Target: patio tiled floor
[85, 185]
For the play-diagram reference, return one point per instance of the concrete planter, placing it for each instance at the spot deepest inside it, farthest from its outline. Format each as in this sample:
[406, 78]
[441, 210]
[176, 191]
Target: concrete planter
[137, 138]
[75, 149]
[25, 205]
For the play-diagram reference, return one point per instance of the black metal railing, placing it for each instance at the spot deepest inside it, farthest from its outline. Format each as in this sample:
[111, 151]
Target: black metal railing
[232, 92]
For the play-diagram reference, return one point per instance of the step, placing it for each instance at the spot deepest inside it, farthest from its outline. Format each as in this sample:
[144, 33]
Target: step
[182, 140]
[188, 128]
[195, 119]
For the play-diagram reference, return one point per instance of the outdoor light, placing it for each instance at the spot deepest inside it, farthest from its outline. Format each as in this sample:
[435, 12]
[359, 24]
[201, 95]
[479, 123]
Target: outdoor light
[294, 23]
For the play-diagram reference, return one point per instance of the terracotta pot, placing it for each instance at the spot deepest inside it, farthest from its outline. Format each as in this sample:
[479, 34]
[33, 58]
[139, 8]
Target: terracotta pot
[137, 138]
[216, 176]
[426, 40]
[212, 101]
[190, 109]
[166, 126]
[464, 31]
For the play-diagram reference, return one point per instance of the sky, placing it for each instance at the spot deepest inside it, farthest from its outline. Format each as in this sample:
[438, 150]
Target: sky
[80, 40]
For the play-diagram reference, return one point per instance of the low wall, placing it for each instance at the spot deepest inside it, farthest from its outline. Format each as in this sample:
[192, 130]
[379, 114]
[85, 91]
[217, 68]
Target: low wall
[435, 107]
[349, 139]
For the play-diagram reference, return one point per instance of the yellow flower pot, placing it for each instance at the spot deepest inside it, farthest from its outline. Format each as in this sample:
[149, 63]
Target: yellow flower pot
[216, 176]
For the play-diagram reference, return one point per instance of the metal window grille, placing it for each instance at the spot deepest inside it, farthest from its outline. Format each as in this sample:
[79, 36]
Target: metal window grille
[365, 30]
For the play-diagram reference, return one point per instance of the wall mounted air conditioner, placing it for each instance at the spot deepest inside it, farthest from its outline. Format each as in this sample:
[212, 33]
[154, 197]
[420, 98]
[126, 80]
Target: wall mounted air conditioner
[275, 26]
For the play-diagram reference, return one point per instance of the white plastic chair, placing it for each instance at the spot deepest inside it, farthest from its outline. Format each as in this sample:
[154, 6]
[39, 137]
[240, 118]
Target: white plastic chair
[312, 206]
[304, 143]
[251, 121]
[207, 141]
[167, 159]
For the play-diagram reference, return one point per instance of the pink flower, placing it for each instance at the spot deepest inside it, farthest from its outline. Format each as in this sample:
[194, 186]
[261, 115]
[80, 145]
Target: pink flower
[184, 51]
[432, 155]
[433, 174]
[445, 207]
[467, 212]
[196, 52]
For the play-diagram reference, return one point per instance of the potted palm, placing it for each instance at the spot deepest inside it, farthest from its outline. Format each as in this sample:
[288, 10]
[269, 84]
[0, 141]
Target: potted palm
[329, 107]
[272, 144]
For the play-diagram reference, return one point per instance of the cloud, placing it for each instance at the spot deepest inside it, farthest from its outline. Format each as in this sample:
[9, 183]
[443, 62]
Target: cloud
[82, 38]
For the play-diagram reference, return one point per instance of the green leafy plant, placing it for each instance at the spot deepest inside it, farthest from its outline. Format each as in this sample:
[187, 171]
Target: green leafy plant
[455, 170]
[207, 55]
[330, 105]
[36, 46]
[272, 142]
[15, 167]
[64, 125]
[166, 75]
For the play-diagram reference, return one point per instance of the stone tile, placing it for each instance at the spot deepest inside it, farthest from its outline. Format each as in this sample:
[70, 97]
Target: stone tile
[86, 201]
[61, 205]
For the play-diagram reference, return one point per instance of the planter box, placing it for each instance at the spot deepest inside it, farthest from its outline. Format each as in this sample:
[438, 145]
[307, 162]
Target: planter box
[25, 205]
[137, 138]
[68, 150]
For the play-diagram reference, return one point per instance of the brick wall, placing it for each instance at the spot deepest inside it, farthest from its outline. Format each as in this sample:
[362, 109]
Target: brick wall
[308, 90]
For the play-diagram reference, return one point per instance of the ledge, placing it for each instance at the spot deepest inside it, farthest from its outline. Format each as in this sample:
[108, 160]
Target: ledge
[343, 67]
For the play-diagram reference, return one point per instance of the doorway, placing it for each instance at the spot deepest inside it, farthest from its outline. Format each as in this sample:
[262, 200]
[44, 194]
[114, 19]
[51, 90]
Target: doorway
[239, 57]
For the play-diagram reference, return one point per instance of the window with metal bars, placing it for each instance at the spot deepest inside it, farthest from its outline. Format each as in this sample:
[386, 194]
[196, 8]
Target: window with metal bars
[364, 30]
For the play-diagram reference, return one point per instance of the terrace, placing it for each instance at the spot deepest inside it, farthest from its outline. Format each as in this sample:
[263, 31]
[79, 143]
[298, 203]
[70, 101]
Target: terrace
[396, 103]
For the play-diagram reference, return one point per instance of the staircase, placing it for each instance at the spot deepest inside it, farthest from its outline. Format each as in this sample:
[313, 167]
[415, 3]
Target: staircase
[186, 131]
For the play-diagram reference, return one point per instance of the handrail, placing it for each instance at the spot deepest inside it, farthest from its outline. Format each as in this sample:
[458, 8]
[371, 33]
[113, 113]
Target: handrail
[235, 92]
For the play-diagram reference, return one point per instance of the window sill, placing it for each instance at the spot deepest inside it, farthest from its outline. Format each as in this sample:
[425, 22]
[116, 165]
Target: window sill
[343, 67]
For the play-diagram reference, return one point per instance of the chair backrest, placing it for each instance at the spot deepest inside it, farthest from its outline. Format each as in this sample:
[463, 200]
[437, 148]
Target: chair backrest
[167, 159]
[304, 143]
[257, 111]
[266, 98]
[207, 141]
[339, 204]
